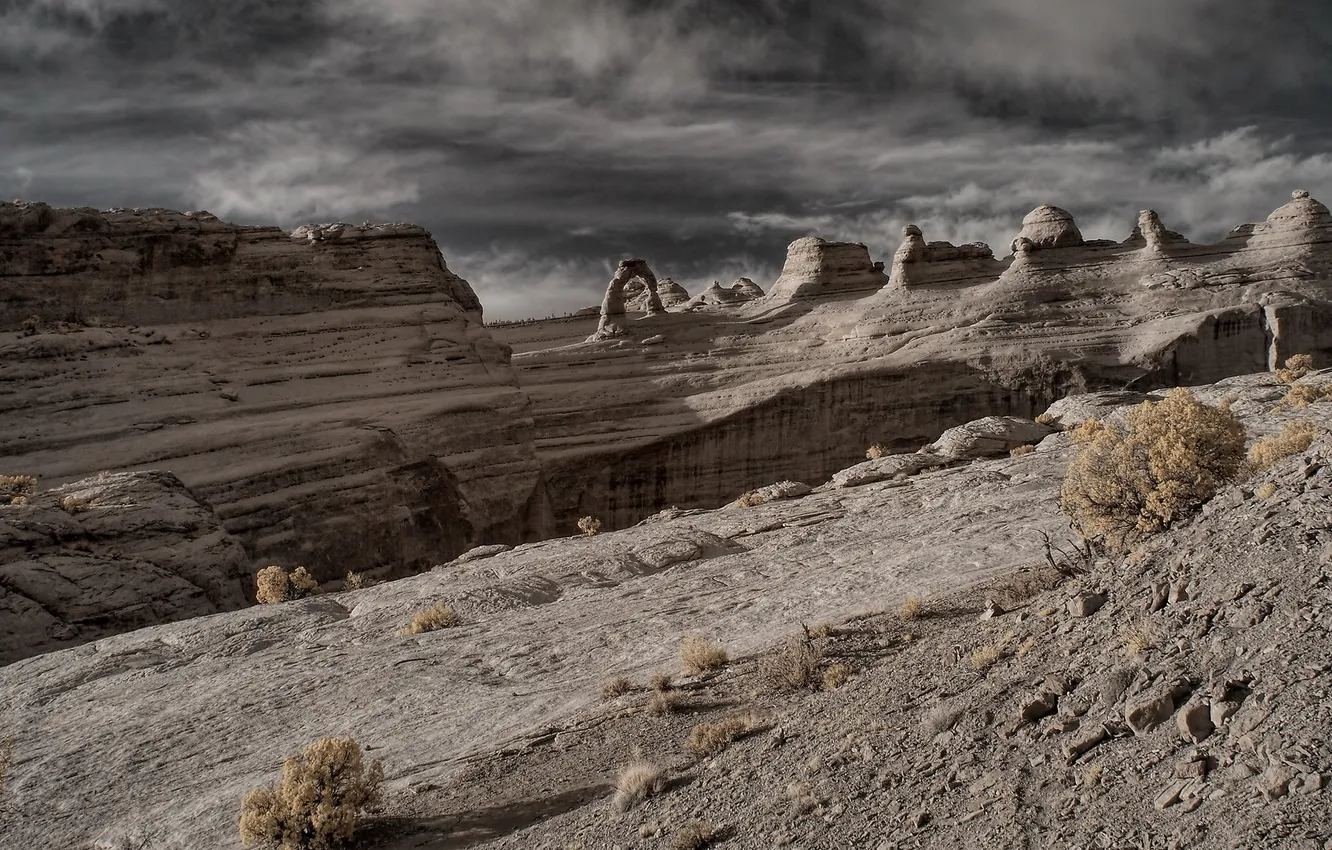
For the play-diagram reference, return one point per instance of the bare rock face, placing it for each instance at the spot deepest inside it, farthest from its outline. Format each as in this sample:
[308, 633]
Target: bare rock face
[949, 261]
[639, 298]
[333, 391]
[110, 554]
[816, 268]
[739, 292]
[1152, 234]
[1049, 227]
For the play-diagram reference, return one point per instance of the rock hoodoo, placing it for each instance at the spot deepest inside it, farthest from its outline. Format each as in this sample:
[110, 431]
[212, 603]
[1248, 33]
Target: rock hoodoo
[1152, 234]
[1048, 227]
[911, 256]
[815, 268]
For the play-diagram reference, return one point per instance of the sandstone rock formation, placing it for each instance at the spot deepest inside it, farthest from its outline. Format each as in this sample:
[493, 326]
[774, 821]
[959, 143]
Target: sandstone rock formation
[613, 304]
[332, 392]
[638, 298]
[1133, 694]
[742, 290]
[1049, 227]
[109, 554]
[816, 268]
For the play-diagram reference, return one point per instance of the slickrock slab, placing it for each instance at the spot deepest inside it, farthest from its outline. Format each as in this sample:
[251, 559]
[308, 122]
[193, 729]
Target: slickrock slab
[110, 554]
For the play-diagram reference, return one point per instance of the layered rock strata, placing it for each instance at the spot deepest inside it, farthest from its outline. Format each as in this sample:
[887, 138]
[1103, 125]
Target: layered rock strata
[816, 268]
[332, 392]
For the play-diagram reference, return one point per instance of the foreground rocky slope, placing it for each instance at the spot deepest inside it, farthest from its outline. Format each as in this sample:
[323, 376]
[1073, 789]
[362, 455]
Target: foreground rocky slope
[487, 728]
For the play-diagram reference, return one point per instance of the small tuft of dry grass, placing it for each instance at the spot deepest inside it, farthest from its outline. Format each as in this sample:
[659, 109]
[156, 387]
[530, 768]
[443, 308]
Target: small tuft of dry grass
[661, 681]
[635, 782]
[836, 675]
[911, 609]
[1296, 367]
[708, 739]
[1137, 636]
[699, 655]
[987, 656]
[434, 618]
[665, 703]
[1293, 439]
[798, 665]
[616, 687]
[695, 835]
[1048, 419]
[355, 581]
[319, 802]
[1266, 491]
[590, 526]
[875, 452]
[1019, 451]
[752, 499]
[1090, 776]
[1024, 584]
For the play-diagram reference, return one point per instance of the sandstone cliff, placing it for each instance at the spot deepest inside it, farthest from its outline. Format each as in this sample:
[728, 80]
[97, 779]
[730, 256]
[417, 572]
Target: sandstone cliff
[333, 392]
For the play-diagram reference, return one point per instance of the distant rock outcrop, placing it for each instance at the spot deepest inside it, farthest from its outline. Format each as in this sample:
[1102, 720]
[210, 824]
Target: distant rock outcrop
[739, 292]
[816, 268]
[1048, 227]
[909, 260]
[669, 293]
[627, 272]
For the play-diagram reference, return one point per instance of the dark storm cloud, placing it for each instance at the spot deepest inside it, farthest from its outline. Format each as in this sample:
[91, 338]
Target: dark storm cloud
[540, 140]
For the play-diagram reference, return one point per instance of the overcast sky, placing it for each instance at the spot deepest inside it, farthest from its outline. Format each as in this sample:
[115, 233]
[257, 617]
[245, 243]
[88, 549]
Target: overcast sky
[542, 140]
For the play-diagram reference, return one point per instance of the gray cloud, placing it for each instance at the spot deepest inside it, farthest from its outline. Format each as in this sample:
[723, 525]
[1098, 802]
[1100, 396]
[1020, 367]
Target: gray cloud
[541, 140]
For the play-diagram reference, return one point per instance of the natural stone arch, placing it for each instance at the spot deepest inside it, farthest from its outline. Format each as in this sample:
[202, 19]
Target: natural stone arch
[612, 305]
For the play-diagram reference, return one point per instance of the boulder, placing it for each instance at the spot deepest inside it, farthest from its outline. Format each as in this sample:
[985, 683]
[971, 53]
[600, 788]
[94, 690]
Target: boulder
[993, 435]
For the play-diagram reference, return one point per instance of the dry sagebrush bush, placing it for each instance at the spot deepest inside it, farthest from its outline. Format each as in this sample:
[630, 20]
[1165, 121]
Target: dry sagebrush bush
[74, 504]
[700, 655]
[1293, 439]
[836, 675]
[875, 452]
[616, 687]
[1019, 451]
[432, 619]
[752, 499]
[1171, 457]
[589, 525]
[910, 609]
[1048, 419]
[318, 803]
[355, 581]
[635, 782]
[664, 703]
[1303, 395]
[274, 584]
[1296, 367]
[798, 665]
[15, 487]
[708, 739]
[661, 682]
[695, 835]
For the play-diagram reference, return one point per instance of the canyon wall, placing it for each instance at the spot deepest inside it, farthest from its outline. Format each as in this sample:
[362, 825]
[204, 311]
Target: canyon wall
[333, 393]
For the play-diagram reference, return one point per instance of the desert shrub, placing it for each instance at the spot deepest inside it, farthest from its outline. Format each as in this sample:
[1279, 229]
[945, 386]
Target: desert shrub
[1137, 635]
[616, 687]
[1087, 431]
[910, 609]
[1022, 585]
[589, 525]
[74, 503]
[752, 499]
[1019, 451]
[355, 581]
[663, 703]
[1266, 491]
[635, 782]
[985, 657]
[708, 739]
[1303, 395]
[836, 675]
[798, 665]
[1296, 367]
[695, 835]
[1048, 419]
[432, 619]
[16, 487]
[318, 803]
[1293, 439]
[875, 452]
[700, 655]
[940, 718]
[274, 584]
[1171, 457]
[661, 682]
[31, 324]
